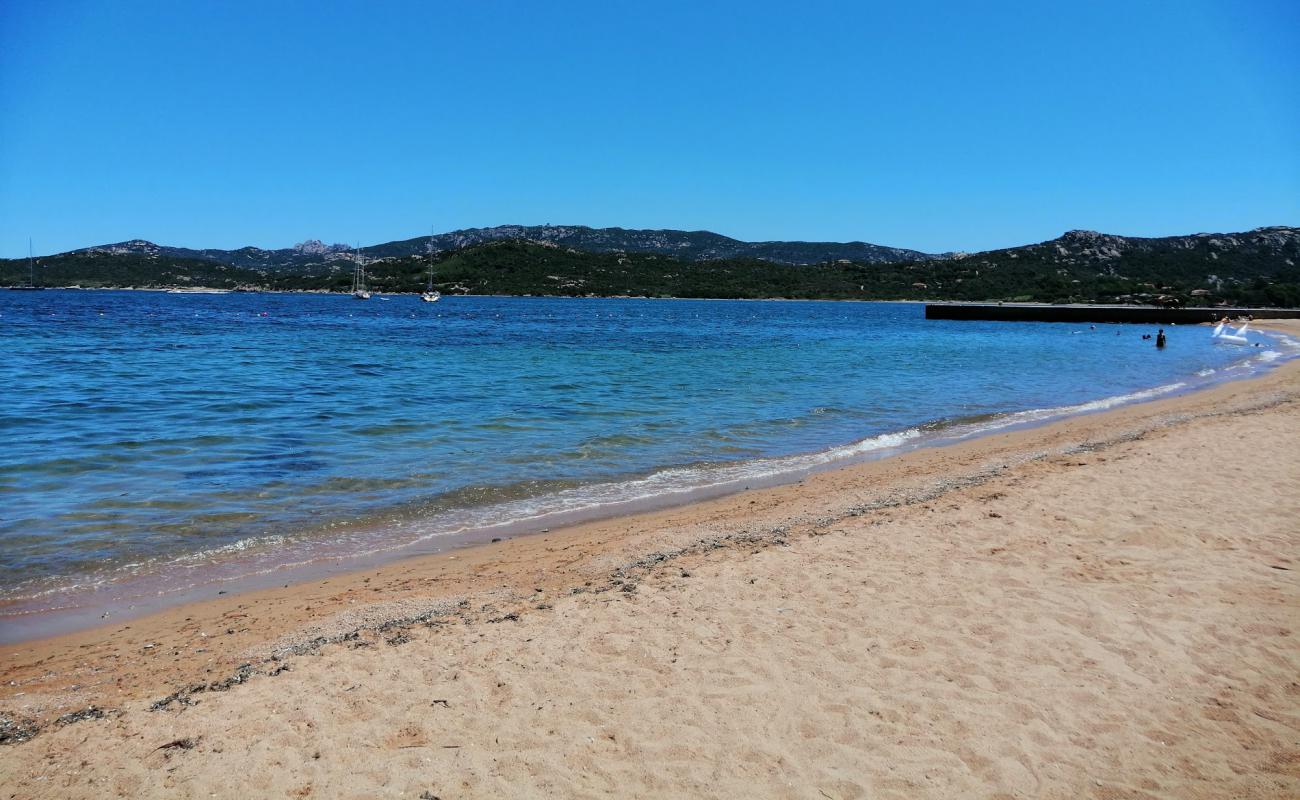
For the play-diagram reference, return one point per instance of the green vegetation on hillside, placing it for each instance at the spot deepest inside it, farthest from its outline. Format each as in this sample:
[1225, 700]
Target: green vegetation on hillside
[1035, 273]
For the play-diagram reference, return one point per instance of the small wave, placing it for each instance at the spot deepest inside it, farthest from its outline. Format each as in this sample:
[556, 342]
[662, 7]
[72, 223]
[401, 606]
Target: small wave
[481, 510]
[1037, 415]
[661, 485]
[477, 510]
[466, 512]
[202, 556]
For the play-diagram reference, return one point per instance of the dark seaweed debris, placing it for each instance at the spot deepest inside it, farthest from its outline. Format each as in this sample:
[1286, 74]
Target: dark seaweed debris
[90, 712]
[398, 627]
[184, 696]
[16, 731]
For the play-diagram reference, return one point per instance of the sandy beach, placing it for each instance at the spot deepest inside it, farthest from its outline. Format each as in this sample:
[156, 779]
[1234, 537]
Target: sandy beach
[1102, 607]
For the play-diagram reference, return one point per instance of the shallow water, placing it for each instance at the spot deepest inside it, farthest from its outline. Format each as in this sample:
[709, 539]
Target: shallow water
[152, 433]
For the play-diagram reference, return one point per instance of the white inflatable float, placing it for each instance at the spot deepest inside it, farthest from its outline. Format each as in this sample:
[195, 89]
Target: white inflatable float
[1231, 338]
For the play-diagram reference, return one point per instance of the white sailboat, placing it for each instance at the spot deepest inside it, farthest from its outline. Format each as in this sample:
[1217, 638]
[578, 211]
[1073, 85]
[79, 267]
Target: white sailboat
[31, 274]
[429, 295]
[359, 290]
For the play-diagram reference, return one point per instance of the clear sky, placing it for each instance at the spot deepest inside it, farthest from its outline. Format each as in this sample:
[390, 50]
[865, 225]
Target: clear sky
[931, 125]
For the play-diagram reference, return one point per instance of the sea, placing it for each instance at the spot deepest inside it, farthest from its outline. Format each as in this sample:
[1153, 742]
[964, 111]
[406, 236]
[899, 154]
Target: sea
[158, 446]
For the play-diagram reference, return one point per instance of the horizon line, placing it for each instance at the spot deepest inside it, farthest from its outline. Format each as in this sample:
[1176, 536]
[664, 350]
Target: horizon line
[619, 227]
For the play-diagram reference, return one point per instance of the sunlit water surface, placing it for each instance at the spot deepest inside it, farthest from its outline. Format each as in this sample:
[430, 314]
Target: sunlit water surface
[157, 434]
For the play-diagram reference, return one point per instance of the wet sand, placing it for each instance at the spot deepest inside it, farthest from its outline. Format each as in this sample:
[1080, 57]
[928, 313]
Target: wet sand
[1106, 606]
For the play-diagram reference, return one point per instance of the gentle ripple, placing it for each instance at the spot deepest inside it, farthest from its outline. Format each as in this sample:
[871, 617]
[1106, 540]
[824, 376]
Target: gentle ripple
[143, 430]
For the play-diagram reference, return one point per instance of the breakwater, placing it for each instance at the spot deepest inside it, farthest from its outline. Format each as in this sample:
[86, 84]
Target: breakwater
[1041, 312]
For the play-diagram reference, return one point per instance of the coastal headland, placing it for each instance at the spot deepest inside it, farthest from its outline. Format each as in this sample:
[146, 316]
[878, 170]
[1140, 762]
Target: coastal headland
[1105, 606]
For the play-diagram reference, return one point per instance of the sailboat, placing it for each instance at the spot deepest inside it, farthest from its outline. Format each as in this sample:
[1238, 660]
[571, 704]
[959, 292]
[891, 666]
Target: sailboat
[429, 295]
[31, 273]
[359, 290]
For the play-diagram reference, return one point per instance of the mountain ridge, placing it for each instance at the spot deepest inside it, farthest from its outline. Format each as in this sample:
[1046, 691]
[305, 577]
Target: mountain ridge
[1250, 267]
[689, 245]
[700, 245]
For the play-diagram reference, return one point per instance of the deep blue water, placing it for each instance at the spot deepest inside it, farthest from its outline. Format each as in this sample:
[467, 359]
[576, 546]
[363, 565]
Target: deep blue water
[145, 431]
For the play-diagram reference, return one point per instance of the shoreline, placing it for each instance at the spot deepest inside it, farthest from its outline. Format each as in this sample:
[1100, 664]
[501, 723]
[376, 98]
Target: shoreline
[134, 597]
[247, 633]
[1103, 606]
[417, 292]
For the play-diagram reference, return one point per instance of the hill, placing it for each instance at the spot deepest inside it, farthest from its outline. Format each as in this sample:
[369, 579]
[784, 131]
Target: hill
[1256, 267]
[686, 245]
[1253, 268]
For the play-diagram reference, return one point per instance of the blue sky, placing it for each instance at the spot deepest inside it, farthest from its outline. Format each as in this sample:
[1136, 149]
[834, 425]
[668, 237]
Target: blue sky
[937, 126]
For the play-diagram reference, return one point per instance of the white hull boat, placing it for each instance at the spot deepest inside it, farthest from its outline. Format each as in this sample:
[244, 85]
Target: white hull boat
[429, 295]
[359, 290]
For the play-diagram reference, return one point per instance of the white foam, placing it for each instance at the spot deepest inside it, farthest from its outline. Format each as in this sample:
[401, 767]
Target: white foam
[664, 484]
[1038, 415]
[658, 485]
[267, 554]
[240, 546]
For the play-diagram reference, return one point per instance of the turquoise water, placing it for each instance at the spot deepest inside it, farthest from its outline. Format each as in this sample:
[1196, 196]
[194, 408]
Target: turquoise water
[161, 434]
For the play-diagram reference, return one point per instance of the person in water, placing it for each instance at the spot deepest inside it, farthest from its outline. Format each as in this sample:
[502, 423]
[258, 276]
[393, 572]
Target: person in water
[1160, 339]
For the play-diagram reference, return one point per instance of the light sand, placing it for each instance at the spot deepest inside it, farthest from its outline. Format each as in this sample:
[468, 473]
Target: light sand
[1103, 607]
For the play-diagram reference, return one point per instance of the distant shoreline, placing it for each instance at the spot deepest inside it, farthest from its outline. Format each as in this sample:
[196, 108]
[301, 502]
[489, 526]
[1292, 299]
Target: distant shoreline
[929, 301]
[219, 290]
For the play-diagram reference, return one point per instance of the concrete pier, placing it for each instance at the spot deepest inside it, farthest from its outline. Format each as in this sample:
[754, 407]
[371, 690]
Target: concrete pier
[1151, 315]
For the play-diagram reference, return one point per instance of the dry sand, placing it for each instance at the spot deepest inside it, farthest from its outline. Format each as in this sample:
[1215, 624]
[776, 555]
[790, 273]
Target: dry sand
[1104, 607]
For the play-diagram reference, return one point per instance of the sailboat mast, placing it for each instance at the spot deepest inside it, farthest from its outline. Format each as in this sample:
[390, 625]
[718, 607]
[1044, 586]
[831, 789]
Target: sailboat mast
[31, 267]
